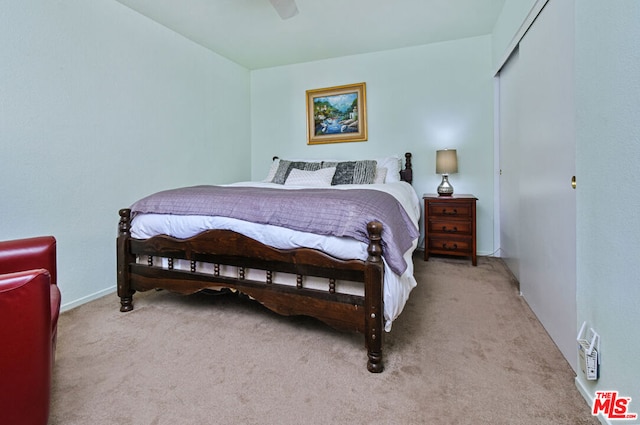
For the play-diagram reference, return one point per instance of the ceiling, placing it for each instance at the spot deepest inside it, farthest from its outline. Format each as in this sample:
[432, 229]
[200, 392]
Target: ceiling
[252, 34]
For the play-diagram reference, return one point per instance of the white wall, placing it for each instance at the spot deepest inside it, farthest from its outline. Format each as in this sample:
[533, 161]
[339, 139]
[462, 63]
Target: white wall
[608, 150]
[419, 99]
[99, 106]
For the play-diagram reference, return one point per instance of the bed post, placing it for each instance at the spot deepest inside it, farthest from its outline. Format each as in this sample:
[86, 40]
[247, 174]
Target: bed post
[124, 258]
[407, 174]
[373, 309]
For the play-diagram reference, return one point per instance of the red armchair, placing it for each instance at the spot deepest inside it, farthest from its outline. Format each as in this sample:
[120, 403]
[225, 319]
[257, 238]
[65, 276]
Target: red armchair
[29, 309]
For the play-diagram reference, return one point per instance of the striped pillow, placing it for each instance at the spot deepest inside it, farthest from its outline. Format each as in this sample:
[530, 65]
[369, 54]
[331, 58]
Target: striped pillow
[352, 172]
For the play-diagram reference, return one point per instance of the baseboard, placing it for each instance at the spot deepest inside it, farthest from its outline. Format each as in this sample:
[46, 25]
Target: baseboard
[589, 399]
[495, 253]
[76, 303]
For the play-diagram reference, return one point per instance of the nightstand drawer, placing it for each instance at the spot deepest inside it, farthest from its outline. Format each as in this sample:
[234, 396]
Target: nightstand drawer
[450, 245]
[450, 210]
[450, 227]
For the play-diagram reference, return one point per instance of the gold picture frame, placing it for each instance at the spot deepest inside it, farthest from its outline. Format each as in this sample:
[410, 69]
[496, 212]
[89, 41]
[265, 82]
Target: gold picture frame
[337, 114]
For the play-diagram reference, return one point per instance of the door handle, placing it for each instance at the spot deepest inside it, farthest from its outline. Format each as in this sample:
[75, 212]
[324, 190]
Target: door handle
[573, 182]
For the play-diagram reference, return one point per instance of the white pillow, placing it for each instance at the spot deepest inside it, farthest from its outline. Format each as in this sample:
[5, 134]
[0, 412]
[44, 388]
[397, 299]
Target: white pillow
[318, 178]
[381, 174]
[393, 164]
[272, 170]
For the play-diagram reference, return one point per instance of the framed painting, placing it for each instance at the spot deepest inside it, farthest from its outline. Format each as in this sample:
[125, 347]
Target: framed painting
[337, 114]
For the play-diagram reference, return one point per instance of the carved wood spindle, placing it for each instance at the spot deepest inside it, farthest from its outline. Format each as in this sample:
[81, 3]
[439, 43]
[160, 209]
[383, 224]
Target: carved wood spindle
[124, 225]
[170, 263]
[150, 260]
[241, 272]
[193, 266]
[299, 281]
[408, 169]
[269, 277]
[374, 249]
[332, 286]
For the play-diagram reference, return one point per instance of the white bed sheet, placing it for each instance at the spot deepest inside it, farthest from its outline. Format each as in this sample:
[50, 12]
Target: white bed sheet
[396, 288]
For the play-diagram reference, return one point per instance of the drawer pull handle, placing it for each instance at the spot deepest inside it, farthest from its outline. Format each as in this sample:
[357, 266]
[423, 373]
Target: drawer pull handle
[454, 212]
[454, 230]
[455, 246]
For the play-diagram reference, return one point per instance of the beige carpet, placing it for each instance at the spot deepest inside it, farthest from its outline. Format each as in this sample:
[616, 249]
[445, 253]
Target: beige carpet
[466, 350]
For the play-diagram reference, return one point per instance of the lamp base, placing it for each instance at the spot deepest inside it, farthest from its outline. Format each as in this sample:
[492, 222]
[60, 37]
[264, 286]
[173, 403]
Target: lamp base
[445, 188]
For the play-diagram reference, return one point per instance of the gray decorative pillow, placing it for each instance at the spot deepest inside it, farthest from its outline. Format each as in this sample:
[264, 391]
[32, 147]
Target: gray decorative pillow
[353, 172]
[285, 167]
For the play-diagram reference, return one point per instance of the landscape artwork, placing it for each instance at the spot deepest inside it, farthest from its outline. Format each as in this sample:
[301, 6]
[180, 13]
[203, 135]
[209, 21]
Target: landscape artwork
[337, 114]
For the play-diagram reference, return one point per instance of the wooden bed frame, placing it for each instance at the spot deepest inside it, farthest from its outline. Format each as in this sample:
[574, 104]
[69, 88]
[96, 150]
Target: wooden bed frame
[363, 314]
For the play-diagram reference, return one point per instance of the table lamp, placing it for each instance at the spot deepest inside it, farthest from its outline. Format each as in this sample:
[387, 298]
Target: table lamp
[446, 163]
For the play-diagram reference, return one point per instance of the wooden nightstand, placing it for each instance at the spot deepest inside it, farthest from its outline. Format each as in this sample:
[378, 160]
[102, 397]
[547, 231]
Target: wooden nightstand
[450, 225]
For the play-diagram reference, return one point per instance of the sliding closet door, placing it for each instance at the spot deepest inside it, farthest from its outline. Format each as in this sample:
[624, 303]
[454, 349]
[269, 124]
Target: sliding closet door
[545, 160]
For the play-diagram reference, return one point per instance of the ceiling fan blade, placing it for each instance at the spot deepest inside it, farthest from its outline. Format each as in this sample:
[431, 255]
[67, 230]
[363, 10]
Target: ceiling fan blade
[285, 8]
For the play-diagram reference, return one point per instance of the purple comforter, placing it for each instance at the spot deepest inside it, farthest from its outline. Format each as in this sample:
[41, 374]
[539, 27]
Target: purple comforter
[333, 212]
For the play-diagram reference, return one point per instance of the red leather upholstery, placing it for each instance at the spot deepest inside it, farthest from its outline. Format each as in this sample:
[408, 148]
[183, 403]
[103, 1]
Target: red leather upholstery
[29, 309]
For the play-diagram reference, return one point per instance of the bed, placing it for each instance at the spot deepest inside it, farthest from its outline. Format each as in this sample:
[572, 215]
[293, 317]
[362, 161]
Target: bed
[343, 255]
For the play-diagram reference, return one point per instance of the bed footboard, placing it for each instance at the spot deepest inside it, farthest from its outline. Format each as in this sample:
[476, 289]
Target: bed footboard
[219, 248]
